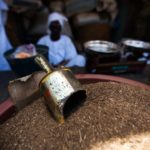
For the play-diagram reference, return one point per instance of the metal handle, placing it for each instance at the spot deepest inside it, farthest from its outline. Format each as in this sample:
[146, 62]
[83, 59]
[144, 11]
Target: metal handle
[43, 63]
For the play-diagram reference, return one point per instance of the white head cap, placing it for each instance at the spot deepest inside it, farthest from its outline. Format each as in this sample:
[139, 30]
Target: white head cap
[55, 16]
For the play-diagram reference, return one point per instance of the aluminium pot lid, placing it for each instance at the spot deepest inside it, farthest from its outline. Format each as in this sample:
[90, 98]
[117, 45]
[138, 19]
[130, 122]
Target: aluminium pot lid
[136, 43]
[101, 47]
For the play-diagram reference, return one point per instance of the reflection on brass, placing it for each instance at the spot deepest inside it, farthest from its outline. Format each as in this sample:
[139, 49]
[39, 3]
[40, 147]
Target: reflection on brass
[62, 91]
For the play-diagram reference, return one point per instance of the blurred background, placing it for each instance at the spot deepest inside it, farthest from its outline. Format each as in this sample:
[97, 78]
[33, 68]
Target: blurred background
[89, 19]
[113, 35]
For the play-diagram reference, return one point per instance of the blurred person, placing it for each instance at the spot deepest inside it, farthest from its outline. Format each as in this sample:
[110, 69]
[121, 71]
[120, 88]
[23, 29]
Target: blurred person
[4, 41]
[61, 49]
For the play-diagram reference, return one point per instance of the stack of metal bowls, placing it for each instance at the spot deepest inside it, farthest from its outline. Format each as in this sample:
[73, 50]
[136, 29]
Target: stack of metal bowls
[137, 47]
[99, 52]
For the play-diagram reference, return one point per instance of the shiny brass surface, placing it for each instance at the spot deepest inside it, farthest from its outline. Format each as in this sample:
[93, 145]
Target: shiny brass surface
[58, 87]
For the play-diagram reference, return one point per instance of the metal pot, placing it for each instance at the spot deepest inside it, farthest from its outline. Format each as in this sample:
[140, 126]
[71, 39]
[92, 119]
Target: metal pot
[99, 52]
[134, 49]
[135, 45]
[26, 66]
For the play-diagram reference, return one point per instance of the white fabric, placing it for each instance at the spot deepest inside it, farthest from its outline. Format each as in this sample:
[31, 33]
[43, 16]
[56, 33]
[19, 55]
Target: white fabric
[4, 8]
[145, 54]
[4, 44]
[3, 5]
[57, 16]
[61, 50]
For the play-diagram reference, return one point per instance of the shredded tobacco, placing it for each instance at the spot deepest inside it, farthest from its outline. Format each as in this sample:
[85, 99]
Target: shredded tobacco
[110, 110]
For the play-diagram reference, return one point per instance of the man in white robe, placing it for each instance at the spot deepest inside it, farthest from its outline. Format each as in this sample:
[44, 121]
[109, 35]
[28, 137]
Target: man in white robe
[61, 49]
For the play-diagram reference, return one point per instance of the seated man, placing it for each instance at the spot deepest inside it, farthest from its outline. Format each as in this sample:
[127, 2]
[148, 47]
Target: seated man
[61, 49]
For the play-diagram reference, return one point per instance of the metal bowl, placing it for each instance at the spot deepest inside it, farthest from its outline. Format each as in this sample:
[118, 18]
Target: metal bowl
[136, 44]
[101, 46]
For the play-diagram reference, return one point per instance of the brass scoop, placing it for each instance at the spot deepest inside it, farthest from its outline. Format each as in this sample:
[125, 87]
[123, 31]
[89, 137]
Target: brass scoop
[62, 91]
